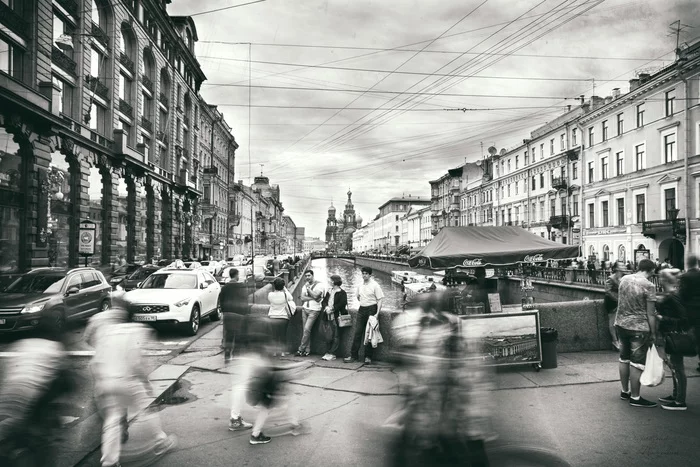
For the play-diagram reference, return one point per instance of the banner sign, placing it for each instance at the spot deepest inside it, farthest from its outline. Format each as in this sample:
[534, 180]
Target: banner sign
[86, 243]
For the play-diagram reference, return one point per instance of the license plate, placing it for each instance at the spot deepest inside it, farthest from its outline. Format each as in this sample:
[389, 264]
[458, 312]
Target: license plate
[2, 321]
[143, 318]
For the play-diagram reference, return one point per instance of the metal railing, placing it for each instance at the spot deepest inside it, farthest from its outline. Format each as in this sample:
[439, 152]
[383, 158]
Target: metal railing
[126, 108]
[63, 61]
[147, 83]
[164, 99]
[96, 86]
[99, 34]
[127, 62]
[13, 20]
[146, 124]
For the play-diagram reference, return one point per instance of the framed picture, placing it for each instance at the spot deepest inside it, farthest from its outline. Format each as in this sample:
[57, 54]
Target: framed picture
[503, 338]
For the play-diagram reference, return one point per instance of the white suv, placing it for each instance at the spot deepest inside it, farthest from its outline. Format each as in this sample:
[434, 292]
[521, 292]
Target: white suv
[176, 296]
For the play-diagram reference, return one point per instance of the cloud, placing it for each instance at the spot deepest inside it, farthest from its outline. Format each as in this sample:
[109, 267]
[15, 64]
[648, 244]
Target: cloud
[315, 154]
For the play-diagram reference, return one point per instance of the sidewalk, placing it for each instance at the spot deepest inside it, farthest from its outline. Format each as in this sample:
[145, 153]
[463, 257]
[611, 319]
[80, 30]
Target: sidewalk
[345, 406]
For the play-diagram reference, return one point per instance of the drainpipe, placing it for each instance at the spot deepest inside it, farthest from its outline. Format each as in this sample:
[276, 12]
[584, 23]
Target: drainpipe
[688, 243]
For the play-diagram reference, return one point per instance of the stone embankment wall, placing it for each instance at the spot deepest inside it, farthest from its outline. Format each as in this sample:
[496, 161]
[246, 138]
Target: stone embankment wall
[547, 291]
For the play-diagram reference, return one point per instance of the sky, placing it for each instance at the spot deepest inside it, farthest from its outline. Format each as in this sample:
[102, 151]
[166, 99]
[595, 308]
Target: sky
[366, 94]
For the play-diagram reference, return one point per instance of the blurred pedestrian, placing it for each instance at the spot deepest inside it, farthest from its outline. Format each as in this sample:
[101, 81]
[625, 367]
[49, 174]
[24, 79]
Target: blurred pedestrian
[690, 295]
[636, 329]
[32, 384]
[672, 318]
[233, 298]
[612, 285]
[275, 266]
[334, 303]
[121, 382]
[280, 313]
[311, 296]
[370, 296]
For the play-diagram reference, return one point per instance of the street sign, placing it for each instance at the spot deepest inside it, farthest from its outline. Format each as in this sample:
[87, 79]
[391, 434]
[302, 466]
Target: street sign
[86, 243]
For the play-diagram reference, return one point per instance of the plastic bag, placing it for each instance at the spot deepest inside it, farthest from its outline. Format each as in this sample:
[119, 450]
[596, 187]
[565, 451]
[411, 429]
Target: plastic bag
[653, 373]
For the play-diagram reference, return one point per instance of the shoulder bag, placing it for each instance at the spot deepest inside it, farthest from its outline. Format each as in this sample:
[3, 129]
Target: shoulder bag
[681, 343]
[291, 305]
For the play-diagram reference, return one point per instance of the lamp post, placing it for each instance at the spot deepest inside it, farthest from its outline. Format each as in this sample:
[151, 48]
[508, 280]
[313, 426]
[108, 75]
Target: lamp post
[549, 230]
[673, 215]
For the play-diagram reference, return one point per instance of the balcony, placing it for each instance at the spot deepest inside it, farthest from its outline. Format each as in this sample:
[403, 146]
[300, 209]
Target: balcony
[186, 120]
[71, 7]
[146, 124]
[63, 61]
[454, 207]
[210, 170]
[162, 137]
[13, 21]
[560, 222]
[99, 34]
[147, 83]
[126, 62]
[559, 183]
[126, 108]
[96, 86]
[163, 99]
[573, 154]
[488, 176]
[674, 228]
[455, 186]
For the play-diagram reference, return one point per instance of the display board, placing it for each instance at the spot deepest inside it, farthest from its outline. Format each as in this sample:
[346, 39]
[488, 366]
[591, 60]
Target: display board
[504, 338]
[495, 303]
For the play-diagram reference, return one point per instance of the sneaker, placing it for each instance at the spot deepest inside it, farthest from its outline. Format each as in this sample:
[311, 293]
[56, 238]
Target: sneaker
[368, 361]
[300, 429]
[283, 354]
[674, 406]
[306, 354]
[642, 402]
[331, 357]
[325, 357]
[260, 439]
[667, 399]
[166, 445]
[238, 424]
[299, 353]
[625, 396]
[349, 360]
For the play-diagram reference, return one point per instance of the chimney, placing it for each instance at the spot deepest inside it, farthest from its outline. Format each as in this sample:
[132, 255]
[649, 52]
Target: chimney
[634, 84]
[643, 78]
[608, 100]
[615, 93]
[597, 102]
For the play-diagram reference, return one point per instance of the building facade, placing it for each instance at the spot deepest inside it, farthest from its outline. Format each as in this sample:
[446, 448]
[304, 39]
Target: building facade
[95, 102]
[642, 184]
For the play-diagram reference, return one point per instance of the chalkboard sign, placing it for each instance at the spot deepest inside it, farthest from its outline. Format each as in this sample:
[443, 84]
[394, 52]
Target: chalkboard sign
[495, 303]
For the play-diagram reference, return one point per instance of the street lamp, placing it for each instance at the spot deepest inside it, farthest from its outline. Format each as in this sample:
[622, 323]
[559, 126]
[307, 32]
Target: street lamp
[549, 230]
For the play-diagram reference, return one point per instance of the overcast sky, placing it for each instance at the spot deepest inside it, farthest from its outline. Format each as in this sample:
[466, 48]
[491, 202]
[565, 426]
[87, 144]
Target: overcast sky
[530, 58]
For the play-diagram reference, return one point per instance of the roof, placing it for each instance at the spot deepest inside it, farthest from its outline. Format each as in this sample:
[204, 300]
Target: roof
[488, 246]
[412, 200]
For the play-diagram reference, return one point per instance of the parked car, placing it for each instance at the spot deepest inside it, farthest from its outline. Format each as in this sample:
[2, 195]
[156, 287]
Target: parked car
[176, 296]
[56, 294]
[224, 277]
[136, 277]
[120, 274]
[193, 265]
[212, 267]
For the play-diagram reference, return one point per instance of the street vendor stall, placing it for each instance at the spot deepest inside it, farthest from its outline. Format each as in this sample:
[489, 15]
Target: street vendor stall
[470, 254]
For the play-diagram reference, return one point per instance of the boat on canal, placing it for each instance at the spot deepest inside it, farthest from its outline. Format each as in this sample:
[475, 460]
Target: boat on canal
[397, 277]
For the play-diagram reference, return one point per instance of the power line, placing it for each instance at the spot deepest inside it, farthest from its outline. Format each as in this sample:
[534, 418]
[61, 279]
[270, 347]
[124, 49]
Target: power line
[225, 8]
[406, 93]
[372, 70]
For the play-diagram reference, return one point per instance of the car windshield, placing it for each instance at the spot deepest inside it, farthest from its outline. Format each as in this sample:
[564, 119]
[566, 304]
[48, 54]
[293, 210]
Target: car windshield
[141, 274]
[170, 281]
[204, 263]
[37, 283]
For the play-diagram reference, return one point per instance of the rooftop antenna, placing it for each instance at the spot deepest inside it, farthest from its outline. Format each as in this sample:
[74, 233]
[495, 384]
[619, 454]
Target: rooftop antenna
[261, 169]
[676, 28]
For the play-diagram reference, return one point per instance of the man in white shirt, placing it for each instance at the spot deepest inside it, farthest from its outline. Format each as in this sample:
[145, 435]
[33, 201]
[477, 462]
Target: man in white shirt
[311, 296]
[370, 296]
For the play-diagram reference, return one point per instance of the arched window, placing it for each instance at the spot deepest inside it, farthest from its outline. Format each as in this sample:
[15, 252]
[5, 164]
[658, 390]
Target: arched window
[606, 253]
[621, 253]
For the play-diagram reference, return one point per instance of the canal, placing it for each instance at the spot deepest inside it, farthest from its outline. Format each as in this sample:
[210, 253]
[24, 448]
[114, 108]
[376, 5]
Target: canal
[324, 268]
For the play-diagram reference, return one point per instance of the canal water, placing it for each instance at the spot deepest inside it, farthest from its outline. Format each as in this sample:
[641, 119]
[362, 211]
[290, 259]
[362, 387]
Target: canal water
[324, 268]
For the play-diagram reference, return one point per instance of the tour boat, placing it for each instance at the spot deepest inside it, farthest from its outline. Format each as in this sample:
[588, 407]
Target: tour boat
[398, 277]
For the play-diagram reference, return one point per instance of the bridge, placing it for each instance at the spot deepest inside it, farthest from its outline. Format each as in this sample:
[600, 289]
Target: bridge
[322, 254]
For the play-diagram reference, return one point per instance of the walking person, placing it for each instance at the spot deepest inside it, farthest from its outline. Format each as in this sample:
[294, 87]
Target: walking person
[690, 295]
[233, 299]
[334, 303]
[311, 296]
[636, 329]
[121, 382]
[370, 296]
[612, 285]
[672, 317]
[280, 313]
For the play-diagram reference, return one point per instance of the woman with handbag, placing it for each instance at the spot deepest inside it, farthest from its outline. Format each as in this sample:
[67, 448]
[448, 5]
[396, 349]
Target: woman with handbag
[334, 303]
[281, 311]
[675, 337]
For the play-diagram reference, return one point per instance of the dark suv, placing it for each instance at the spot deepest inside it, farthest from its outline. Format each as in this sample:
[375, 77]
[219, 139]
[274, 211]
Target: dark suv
[57, 294]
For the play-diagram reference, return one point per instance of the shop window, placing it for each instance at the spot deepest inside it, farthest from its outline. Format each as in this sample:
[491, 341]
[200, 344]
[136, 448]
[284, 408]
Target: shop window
[60, 210]
[11, 187]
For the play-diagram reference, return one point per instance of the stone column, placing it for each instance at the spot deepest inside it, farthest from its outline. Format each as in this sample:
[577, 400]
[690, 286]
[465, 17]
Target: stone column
[111, 222]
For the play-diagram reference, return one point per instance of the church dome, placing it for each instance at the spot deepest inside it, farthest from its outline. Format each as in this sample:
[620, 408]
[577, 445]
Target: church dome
[358, 219]
[331, 209]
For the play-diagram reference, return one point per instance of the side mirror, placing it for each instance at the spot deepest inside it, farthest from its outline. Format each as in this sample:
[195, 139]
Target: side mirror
[138, 286]
[203, 285]
[72, 290]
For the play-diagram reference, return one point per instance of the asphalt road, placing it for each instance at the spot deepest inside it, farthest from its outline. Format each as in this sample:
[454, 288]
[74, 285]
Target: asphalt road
[78, 406]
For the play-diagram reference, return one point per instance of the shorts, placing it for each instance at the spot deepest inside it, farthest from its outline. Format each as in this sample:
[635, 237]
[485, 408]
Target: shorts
[633, 346]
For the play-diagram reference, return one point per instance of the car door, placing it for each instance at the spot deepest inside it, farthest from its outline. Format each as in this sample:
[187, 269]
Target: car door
[215, 288]
[89, 292]
[74, 303]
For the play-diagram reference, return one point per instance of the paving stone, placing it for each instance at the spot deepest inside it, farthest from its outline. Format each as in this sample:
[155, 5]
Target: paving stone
[512, 380]
[168, 371]
[368, 382]
[320, 377]
[213, 363]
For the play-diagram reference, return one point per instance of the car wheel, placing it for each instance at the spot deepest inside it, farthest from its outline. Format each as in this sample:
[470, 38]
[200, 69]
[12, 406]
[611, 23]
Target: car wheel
[104, 306]
[58, 320]
[216, 314]
[193, 324]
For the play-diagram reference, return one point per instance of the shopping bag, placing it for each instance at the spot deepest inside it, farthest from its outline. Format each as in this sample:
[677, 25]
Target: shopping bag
[325, 329]
[344, 321]
[653, 373]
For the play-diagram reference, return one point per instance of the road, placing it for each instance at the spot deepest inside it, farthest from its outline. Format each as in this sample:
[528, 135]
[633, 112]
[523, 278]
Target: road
[79, 406]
